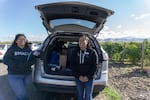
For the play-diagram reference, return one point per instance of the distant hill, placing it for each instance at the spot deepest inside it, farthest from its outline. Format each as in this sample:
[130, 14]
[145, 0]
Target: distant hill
[124, 39]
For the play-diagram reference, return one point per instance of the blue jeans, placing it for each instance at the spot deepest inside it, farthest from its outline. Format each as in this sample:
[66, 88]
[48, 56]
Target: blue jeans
[85, 89]
[19, 83]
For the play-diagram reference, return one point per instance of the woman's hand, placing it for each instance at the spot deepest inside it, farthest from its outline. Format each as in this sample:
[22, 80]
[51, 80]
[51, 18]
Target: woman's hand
[36, 53]
[83, 78]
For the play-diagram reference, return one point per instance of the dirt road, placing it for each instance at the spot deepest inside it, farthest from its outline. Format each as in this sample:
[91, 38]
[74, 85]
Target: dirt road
[131, 82]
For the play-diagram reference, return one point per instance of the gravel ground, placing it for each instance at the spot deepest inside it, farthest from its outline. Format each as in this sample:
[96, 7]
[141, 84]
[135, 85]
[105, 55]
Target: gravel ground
[3, 69]
[131, 82]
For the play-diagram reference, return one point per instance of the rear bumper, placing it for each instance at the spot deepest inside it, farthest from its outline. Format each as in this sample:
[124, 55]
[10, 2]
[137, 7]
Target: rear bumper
[64, 89]
[50, 83]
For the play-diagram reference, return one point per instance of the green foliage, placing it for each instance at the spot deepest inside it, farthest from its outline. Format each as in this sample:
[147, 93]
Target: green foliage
[116, 57]
[147, 47]
[130, 51]
[133, 52]
[107, 46]
[111, 94]
[147, 52]
[114, 50]
[117, 51]
[5, 42]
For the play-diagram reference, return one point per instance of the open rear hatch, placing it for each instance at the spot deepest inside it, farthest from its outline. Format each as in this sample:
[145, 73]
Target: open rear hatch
[73, 17]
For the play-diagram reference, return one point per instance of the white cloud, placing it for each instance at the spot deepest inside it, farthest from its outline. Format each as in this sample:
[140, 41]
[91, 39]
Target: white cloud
[106, 28]
[108, 34]
[137, 33]
[119, 26]
[142, 16]
[36, 37]
[8, 37]
[132, 15]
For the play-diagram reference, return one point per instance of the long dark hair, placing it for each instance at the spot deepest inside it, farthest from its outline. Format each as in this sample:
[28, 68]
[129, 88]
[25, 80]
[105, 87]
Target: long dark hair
[16, 38]
[87, 38]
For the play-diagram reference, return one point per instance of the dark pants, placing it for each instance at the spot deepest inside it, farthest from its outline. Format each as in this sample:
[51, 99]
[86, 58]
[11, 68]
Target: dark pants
[85, 89]
[19, 84]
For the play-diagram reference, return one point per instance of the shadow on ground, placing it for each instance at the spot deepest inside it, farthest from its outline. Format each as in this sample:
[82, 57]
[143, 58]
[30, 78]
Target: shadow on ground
[5, 91]
[7, 94]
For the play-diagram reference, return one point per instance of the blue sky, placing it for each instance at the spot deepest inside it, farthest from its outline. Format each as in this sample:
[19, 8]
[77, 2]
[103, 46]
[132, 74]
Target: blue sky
[131, 18]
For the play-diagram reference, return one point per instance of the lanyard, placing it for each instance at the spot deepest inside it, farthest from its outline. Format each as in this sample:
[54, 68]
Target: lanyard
[29, 56]
[82, 56]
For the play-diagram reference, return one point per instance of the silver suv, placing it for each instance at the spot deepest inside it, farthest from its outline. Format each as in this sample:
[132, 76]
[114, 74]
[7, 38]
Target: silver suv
[65, 22]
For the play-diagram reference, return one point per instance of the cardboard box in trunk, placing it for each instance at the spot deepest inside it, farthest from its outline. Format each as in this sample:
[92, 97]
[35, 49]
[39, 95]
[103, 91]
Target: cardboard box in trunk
[62, 61]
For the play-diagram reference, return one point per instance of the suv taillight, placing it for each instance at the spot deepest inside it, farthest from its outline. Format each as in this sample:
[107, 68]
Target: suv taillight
[105, 56]
[1, 53]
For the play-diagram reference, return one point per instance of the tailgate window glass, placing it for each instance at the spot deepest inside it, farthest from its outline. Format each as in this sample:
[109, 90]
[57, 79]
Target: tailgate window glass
[66, 21]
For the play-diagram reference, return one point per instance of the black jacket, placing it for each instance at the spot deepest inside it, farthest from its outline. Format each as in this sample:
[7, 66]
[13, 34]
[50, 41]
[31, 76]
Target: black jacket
[19, 60]
[86, 67]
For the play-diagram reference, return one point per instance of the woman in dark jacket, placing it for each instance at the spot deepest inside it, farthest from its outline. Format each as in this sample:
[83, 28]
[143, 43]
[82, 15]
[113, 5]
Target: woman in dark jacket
[84, 67]
[19, 59]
